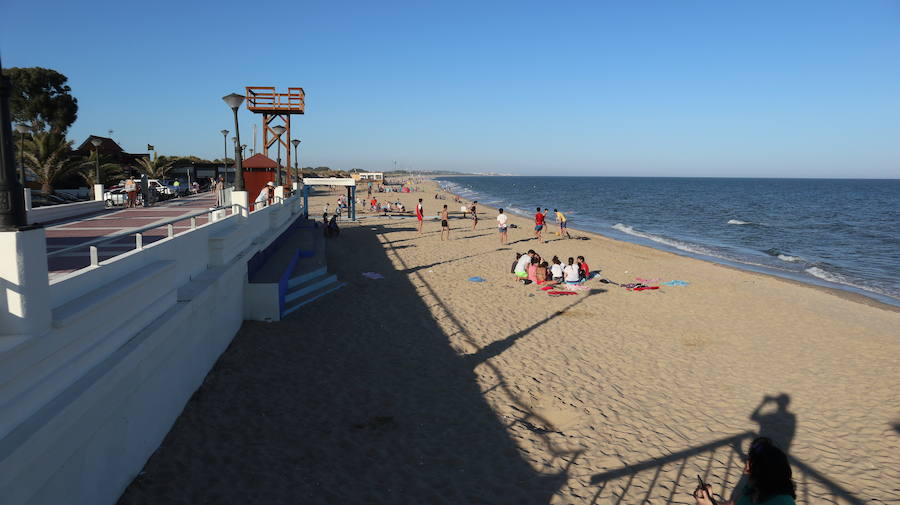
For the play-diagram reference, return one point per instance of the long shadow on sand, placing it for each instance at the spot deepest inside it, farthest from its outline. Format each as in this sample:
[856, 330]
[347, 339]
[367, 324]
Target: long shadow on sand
[719, 462]
[358, 398]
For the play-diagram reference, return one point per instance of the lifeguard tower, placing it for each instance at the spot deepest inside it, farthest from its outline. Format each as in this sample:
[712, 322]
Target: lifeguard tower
[276, 109]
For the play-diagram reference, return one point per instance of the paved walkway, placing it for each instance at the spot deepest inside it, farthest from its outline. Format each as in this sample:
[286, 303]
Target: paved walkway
[119, 221]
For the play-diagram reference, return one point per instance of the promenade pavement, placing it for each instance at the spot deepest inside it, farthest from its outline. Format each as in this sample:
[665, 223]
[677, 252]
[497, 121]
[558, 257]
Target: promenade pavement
[119, 221]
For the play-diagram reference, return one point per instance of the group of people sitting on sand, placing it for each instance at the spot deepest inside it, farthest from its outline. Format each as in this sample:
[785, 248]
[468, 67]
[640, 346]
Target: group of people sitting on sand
[531, 268]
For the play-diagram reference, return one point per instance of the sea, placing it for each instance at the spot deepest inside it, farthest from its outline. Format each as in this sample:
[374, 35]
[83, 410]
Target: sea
[840, 233]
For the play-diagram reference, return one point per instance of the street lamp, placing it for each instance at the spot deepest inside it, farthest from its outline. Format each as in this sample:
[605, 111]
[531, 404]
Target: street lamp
[243, 150]
[224, 150]
[279, 131]
[234, 101]
[296, 143]
[22, 129]
[97, 143]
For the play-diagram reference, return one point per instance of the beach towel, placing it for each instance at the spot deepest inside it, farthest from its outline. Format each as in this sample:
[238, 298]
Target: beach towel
[477, 279]
[675, 283]
[547, 288]
[557, 293]
[644, 288]
[646, 281]
[372, 275]
[577, 287]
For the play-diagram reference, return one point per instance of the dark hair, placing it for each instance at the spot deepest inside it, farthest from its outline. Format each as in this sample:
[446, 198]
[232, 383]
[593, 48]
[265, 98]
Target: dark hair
[518, 255]
[581, 258]
[770, 472]
[445, 205]
[544, 264]
[556, 260]
[531, 251]
[555, 210]
[420, 199]
[538, 209]
[534, 260]
[501, 211]
[571, 260]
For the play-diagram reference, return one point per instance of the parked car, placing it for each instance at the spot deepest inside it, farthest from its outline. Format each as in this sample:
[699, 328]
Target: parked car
[115, 196]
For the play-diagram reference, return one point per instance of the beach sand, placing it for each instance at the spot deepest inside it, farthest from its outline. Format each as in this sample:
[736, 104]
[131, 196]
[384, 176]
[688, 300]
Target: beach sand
[423, 387]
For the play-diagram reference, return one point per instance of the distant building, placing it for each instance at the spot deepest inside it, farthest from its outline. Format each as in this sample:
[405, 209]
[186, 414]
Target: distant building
[368, 176]
[108, 147]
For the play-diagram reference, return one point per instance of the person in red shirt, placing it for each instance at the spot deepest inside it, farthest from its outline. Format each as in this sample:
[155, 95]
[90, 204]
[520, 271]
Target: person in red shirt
[539, 225]
[584, 271]
[420, 214]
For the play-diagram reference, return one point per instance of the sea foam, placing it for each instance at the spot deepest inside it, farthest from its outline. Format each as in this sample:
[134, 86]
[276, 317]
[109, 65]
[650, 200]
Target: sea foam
[682, 246]
[738, 221]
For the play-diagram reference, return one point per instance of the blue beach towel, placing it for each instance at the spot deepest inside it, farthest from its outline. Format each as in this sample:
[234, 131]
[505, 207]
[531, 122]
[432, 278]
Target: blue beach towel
[675, 283]
[477, 279]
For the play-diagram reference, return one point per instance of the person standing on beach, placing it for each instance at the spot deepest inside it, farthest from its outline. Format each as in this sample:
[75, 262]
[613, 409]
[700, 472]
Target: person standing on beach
[445, 226]
[131, 190]
[501, 225]
[420, 215]
[474, 212]
[539, 225]
[561, 219]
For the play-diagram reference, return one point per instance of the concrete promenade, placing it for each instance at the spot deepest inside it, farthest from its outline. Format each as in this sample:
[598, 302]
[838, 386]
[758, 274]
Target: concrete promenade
[67, 233]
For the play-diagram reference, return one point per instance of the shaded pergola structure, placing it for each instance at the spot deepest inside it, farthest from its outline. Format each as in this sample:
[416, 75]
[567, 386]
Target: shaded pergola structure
[348, 182]
[276, 109]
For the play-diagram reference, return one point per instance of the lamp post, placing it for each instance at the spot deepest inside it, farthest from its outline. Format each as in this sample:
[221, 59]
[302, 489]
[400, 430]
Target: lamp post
[296, 143]
[279, 131]
[234, 101]
[224, 150]
[22, 129]
[97, 143]
[12, 198]
[243, 150]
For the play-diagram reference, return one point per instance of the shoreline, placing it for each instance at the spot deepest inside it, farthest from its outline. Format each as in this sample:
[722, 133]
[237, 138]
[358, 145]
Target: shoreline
[850, 293]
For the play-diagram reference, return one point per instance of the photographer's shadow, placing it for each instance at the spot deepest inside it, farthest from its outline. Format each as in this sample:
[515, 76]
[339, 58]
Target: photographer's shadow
[778, 426]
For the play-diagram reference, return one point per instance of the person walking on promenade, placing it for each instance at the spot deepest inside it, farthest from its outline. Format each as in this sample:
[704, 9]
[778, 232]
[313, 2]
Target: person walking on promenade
[474, 212]
[420, 215]
[445, 225]
[539, 225]
[220, 192]
[131, 190]
[561, 219]
[145, 190]
[501, 225]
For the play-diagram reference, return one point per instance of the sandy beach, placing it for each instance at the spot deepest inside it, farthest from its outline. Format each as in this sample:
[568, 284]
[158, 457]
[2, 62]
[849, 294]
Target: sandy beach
[425, 387]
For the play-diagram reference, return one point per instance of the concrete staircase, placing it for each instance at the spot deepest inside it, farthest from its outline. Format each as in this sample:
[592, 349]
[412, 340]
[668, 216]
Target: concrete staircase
[294, 273]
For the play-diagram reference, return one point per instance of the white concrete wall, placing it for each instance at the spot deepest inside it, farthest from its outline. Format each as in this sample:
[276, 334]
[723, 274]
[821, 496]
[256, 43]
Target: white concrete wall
[84, 405]
[63, 211]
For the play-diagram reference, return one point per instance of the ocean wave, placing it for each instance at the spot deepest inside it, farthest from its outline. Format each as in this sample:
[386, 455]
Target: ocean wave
[827, 276]
[775, 253]
[738, 222]
[682, 246]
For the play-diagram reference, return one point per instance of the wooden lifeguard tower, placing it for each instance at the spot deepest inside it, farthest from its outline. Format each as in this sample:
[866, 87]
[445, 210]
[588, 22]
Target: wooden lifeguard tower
[276, 109]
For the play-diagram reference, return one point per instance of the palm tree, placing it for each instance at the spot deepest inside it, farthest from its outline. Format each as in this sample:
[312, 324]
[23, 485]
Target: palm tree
[47, 156]
[155, 168]
[108, 171]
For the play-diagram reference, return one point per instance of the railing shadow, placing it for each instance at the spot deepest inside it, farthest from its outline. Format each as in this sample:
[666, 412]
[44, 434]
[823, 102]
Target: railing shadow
[720, 463]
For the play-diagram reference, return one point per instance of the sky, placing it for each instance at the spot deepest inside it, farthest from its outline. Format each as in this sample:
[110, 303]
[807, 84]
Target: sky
[644, 88]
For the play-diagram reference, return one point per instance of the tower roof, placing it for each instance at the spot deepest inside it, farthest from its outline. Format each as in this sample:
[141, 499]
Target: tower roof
[260, 161]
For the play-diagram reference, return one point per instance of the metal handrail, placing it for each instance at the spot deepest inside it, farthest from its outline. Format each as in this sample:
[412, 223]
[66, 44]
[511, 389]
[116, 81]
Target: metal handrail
[139, 242]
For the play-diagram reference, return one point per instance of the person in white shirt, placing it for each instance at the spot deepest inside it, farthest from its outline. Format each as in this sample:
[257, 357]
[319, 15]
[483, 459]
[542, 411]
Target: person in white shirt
[501, 225]
[570, 272]
[521, 269]
[266, 195]
[556, 270]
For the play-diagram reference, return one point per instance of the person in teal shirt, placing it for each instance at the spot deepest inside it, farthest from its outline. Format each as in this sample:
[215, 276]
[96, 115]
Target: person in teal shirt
[769, 475]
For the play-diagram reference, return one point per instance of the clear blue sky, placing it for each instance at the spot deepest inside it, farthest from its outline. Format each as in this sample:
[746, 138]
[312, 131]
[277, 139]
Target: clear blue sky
[698, 88]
